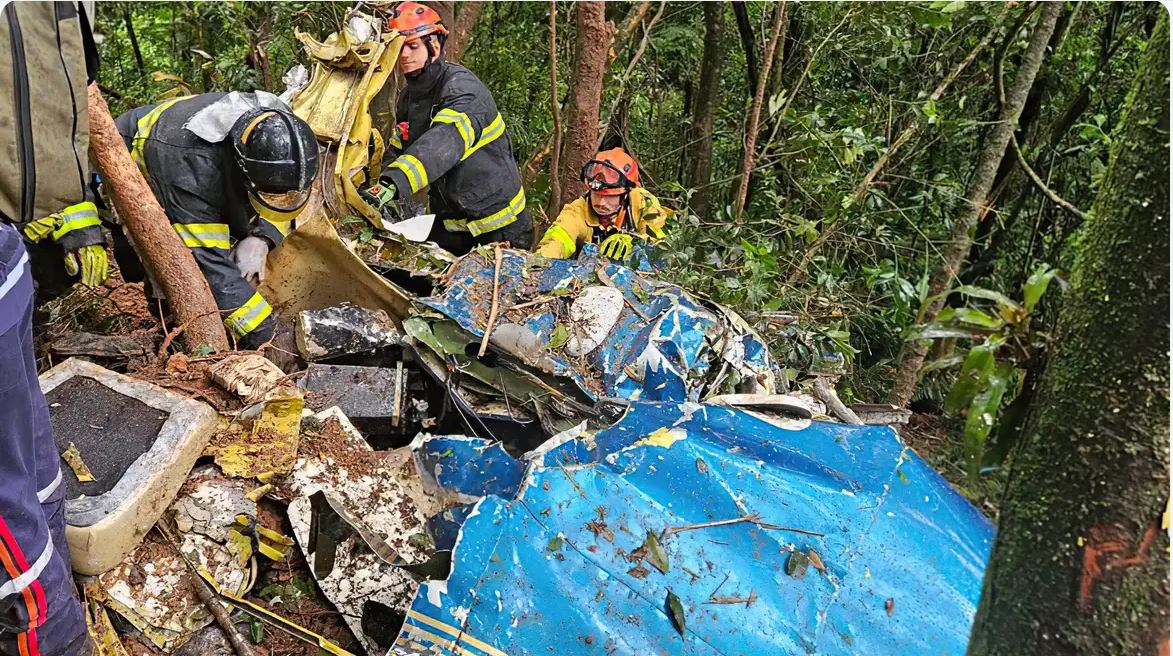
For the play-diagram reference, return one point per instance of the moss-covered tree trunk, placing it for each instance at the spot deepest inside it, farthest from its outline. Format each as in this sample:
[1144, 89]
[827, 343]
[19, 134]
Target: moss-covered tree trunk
[1081, 562]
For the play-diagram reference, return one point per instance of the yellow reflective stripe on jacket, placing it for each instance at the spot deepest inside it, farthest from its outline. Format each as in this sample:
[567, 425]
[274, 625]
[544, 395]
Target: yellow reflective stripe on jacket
[417, 175]
[145, 125]
[462, 123]
[204, 235]
[76, 217]
[488, 136]
[558, 233]
[247, 317]
[494, 221]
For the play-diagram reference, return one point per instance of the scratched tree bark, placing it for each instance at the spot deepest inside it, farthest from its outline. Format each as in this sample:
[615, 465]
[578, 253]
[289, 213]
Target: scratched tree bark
[1081, 564]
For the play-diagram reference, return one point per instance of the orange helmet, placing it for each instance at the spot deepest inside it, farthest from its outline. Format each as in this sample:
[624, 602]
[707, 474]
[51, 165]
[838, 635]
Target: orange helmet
[415, 21]
[611, 173]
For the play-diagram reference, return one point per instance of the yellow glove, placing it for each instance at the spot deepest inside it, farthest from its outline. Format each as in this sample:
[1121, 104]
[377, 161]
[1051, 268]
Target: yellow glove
[91, 262]
[616, 247]
[41, 228]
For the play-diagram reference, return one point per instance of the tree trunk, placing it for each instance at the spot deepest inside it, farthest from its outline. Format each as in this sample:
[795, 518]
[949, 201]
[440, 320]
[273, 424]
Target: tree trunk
[130, 34]
[954, 251]
[706, 107]
[555, 202]
[462, 30]
[1080, 564]
[163, 252]
[445, 9]
[751, 128]
[745, 30]
[582, 111]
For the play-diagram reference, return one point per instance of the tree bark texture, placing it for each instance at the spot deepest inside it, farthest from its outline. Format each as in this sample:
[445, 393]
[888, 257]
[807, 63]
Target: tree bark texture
[556, 112]
[706, 107]
[751, 127]
[130, 34]
[163, 252]
[593, 40]
[976, 196]
[745, 31]
[462, 29]
[1080, 564]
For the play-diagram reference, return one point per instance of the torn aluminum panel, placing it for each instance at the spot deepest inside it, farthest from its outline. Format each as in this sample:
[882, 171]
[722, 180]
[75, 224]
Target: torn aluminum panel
[379, 488]
[664, 344]
[562, 562]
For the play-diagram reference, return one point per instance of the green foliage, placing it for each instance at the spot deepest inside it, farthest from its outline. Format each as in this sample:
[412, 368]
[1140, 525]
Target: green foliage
[851, 77]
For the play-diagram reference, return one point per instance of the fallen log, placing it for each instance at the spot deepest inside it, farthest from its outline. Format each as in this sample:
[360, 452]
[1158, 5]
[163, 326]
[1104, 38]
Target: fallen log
[159, 245]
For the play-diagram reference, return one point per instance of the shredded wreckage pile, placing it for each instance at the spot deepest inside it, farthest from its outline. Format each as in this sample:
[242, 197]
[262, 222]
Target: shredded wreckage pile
[619, 466]
[617, 472]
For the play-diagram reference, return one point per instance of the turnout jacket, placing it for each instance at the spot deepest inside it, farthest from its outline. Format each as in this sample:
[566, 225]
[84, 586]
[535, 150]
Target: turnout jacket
[204, 195]
[577, 224]
[451, 138]
[50, 58]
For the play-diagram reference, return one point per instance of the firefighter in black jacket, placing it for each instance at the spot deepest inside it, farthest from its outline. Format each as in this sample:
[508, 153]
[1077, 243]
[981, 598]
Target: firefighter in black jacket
[452, 140]
[231, 170]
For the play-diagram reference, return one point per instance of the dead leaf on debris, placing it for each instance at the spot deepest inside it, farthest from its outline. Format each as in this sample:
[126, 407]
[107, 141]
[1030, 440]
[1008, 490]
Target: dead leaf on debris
[177, 364]
[72, 457]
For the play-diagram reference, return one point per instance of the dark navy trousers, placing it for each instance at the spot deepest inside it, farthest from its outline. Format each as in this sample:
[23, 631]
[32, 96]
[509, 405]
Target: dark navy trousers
[39, 610]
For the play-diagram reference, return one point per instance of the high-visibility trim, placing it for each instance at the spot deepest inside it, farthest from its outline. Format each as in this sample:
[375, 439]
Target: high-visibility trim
[559, 234]
[413, 169]
[281, 226]
[462, 123]
[143, 131]
[501, 218]
[247, 317]
[494, 221]
[17, 584]
[490, 134]
[18, 272]
[77, 217]
[13, 561]
[204, 235]
[49, 489]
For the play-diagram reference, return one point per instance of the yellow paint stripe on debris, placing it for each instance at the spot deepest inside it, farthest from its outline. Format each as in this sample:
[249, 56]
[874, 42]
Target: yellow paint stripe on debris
[72, 457]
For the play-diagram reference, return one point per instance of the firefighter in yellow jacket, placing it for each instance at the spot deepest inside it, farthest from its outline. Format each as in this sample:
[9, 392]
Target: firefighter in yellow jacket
[614, 212]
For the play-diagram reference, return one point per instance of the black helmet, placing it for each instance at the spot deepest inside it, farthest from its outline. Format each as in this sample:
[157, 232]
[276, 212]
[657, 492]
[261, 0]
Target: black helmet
[278, 154]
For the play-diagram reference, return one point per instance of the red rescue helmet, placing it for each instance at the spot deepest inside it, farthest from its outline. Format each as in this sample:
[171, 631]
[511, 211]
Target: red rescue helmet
[415, 21]
[611, 173]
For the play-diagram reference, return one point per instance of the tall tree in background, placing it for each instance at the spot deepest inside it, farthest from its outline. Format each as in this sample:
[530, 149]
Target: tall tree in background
[953, 252]
[1081, 561]
[554, 203]
[462, 29]
[708, 98]
[592, 41]
[751, 126]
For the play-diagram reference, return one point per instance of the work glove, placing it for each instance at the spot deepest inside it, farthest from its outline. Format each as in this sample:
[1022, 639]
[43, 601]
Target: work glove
[249, 256]
[382, 198]
[41, 228]
[91, 262]
[616, 247]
